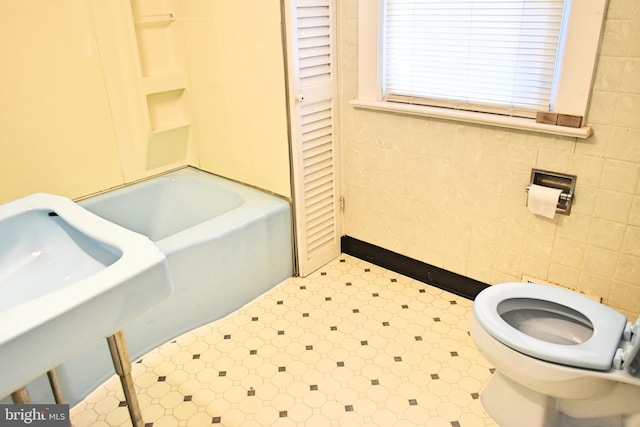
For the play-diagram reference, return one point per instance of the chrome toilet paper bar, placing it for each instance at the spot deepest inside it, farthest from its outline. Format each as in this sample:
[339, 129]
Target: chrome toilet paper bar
[563, 196]
[564, 182]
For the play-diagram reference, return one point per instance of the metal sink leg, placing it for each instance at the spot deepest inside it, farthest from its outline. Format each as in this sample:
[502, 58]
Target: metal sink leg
[122, 363]
[21, 396]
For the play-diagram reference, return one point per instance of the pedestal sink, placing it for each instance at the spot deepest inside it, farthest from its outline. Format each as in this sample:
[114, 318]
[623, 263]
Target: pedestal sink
[67, 278]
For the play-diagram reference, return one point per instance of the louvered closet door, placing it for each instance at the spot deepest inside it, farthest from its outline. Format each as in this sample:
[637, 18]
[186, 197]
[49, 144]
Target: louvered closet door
[312, 88]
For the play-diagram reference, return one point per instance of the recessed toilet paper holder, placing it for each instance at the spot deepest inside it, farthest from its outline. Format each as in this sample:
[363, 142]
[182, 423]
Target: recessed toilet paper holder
[564, 182]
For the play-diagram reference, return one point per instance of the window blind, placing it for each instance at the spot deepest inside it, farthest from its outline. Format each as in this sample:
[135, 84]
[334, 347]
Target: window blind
[497, 56]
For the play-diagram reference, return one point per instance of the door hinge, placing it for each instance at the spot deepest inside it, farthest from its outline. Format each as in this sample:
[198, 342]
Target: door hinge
[341, 203]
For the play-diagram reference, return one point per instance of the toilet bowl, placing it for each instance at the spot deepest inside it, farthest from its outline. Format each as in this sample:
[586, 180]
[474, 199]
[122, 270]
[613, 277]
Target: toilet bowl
[561, 358]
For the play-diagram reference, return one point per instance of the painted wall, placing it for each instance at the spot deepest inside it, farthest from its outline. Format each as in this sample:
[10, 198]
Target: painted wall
[92, 100]
[453, 195]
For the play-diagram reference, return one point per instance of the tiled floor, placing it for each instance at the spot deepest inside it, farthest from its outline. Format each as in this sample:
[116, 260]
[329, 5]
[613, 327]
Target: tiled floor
[352, 345]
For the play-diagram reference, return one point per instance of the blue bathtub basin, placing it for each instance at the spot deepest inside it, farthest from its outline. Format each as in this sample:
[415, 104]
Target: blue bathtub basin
[67, 278]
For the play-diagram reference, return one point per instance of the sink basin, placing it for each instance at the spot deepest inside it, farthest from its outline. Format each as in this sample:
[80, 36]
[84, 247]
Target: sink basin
[67, 278]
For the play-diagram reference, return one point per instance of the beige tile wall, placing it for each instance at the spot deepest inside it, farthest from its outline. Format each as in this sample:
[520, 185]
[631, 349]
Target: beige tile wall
[453, 195]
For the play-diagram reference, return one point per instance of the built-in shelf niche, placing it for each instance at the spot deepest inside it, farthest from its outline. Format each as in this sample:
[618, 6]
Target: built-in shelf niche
[163, 81]
[154, 22]
[166, 110]
[155, 47]
[169, 147]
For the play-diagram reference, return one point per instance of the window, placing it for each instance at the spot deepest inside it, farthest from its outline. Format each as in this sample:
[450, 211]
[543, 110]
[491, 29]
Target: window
[481, 55]
[502, 58]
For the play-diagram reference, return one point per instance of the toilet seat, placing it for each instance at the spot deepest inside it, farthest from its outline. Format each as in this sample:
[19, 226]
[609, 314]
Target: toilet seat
[597, 352]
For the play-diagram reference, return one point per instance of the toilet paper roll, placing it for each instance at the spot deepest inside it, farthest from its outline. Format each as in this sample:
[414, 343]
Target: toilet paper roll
[543, 200]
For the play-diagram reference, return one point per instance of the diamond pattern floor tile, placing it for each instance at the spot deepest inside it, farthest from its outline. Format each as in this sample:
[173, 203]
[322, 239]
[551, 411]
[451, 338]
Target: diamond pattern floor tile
[353, 344]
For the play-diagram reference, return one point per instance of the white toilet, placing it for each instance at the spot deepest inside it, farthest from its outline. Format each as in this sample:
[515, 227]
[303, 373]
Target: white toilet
[561, 358]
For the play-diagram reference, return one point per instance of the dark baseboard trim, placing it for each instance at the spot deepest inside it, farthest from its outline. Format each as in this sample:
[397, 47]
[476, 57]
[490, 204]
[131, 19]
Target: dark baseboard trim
[418, 270]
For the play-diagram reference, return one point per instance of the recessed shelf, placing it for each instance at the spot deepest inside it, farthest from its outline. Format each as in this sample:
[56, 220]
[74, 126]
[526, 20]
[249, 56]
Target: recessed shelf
[156, 49]
[169, 126]
[163, 83]
[167, 110]
[169, 146]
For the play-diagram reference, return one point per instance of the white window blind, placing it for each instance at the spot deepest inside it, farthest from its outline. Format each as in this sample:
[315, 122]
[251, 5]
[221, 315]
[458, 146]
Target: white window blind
[496, 56]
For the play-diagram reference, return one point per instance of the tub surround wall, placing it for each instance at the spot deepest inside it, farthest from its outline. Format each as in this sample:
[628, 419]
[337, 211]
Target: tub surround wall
[236, 71]
[453, 195]
[56, 130]
[98, 94]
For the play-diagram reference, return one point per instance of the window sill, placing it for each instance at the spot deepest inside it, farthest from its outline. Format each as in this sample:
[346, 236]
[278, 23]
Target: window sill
[518, 123]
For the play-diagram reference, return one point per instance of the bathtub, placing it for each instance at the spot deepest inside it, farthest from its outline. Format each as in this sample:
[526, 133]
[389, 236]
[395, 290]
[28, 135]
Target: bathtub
[226, 244]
